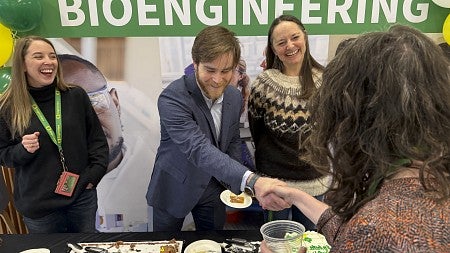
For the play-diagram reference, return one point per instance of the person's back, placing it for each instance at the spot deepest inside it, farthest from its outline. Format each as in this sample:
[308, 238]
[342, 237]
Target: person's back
[387, 142]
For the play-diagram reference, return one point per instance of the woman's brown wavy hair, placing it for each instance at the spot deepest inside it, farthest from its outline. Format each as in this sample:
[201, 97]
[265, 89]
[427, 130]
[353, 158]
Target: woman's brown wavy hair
[385, 98]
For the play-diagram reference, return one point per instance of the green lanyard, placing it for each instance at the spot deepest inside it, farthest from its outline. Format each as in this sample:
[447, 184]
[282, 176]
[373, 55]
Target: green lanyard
[57, 139]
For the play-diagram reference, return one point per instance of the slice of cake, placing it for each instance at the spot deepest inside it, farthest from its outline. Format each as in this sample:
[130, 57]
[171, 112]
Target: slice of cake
[315, 242]
[168, 249]
[236, 198]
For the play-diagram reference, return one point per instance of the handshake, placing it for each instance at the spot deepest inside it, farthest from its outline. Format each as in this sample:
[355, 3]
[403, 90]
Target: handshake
[276, 195]
[271, 193]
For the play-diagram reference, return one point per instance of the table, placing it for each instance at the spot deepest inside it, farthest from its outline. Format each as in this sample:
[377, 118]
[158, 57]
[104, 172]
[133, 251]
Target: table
[57, 242]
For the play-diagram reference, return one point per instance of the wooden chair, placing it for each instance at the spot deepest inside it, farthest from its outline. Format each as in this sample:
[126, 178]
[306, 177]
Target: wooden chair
[5, 197]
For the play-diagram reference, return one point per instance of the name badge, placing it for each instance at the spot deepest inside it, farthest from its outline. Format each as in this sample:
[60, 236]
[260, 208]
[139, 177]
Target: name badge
[66, 183]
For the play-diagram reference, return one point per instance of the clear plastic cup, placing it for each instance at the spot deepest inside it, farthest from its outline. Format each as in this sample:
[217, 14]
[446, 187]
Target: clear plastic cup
[283, 236]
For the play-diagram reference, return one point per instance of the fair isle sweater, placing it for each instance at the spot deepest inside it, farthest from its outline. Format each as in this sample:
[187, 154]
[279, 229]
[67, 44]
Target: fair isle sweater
[278, 123]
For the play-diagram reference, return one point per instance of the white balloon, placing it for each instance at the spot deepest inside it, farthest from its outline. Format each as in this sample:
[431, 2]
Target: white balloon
[442, 3]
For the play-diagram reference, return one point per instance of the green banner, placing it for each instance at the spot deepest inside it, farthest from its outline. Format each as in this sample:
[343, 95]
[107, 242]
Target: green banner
[144, 18]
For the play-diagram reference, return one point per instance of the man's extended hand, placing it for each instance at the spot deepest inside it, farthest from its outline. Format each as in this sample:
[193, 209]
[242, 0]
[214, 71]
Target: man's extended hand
[264, 187]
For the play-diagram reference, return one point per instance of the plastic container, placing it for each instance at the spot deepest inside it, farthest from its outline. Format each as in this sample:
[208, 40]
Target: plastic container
[283, 236]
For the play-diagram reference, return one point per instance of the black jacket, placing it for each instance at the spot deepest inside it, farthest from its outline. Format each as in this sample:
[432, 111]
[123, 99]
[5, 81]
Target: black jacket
[84, 145]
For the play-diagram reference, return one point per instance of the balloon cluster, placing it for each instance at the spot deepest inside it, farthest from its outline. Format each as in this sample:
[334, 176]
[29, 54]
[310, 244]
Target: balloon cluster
[15, 16]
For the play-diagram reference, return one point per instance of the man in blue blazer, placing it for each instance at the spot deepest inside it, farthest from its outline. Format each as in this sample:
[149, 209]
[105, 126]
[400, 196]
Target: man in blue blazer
[200, 152]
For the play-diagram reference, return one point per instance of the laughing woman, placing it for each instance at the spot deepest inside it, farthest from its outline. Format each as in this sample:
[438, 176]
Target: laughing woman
[51, 136]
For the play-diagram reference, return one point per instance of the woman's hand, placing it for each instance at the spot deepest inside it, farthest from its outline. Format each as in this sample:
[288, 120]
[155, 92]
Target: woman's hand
[31, 142]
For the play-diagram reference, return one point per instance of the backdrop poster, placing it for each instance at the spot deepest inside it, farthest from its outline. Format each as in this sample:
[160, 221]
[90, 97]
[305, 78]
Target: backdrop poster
[122, 206]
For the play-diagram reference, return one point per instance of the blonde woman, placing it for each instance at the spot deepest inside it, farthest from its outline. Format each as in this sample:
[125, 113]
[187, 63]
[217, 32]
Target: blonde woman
[51, 136]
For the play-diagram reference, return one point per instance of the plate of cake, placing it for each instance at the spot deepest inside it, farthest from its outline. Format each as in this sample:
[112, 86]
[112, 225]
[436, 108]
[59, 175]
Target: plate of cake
[230, 199]
[172, 246]
[203, 246]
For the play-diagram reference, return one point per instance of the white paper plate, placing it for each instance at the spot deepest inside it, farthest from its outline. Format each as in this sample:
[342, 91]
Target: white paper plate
[225, 197]
[40, 250]
[203, 246]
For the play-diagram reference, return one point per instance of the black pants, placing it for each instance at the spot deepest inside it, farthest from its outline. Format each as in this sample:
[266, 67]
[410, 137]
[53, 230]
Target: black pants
[208, 213]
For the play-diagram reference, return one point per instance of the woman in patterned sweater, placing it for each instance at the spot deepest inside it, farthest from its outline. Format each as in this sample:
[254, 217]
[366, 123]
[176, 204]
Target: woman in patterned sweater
[383, 122]
[277, 112]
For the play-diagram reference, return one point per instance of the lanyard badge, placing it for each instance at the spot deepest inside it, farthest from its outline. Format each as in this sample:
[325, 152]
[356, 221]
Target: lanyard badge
[66, 183]
[68, 180]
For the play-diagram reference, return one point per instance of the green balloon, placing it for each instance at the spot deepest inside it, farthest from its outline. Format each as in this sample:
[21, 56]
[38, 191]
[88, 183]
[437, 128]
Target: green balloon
[20, 15]
[5, 78]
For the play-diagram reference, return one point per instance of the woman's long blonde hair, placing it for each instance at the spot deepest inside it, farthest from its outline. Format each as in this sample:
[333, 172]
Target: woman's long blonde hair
[15, 104]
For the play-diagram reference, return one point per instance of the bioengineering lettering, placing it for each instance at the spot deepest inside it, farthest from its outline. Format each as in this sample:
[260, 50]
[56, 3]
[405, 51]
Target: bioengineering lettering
[237, 12]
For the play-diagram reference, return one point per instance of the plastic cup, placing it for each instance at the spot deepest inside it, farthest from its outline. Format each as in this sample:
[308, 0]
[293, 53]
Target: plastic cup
[283, 236]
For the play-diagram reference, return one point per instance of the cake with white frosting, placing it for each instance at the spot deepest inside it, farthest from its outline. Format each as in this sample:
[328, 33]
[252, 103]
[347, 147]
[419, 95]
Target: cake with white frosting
[315, 242]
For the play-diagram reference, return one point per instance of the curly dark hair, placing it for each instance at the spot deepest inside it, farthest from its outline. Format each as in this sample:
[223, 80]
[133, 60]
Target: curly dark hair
[384, 100]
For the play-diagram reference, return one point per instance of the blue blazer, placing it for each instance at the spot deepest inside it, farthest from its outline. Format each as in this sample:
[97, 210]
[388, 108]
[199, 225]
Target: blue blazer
[190, 153]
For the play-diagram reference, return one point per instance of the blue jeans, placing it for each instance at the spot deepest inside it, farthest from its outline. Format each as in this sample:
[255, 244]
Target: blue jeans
[297, 216]
[79, 217]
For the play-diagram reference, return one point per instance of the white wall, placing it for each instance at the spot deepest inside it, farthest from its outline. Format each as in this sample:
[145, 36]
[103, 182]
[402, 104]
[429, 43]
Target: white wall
[143, 66]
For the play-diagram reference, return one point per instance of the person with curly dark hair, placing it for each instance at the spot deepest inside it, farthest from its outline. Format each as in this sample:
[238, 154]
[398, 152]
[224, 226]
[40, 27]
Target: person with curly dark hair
[382, 124]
